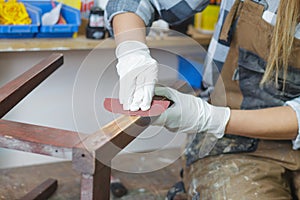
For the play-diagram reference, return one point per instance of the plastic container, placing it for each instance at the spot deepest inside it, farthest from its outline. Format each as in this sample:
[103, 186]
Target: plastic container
[206, 20]
[190, 71]
[22, 31]
[209, 18]
[70, 14]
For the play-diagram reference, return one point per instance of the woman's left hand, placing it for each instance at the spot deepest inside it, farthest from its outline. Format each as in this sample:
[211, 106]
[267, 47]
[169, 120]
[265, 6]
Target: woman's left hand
[190, 114]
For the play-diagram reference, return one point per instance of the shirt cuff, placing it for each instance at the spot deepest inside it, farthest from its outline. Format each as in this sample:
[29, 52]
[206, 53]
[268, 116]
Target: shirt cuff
[295, 104]
[143, 8]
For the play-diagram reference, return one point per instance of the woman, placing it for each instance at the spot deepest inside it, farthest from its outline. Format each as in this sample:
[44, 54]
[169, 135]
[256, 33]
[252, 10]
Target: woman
[257, 121]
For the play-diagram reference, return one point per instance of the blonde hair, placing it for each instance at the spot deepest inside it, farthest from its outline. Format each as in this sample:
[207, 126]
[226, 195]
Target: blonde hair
[282, 40]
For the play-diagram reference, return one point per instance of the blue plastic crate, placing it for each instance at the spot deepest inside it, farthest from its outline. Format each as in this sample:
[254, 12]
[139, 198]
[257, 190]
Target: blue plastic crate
[71, 15]
[190, 71]
[22, 31]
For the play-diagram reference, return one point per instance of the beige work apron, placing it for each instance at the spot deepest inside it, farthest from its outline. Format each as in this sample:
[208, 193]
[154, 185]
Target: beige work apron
[272, 171]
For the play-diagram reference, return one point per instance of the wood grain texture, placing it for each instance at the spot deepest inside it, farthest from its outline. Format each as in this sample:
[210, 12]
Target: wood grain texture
[14, 91]
[38, 139]
[96, 186]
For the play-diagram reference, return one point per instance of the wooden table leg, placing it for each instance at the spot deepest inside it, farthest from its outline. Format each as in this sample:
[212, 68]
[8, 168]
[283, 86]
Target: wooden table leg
[92, 156]
[96, 186]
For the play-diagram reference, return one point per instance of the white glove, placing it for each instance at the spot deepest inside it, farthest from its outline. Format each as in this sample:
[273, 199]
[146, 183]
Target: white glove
[190, 114]
[138, 75]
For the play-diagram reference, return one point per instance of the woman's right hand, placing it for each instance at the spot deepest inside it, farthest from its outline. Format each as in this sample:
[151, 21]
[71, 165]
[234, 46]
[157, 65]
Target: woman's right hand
[138, 75]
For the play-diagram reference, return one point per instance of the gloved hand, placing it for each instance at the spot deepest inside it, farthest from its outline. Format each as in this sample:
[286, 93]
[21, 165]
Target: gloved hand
[138, 74]
[190, 114]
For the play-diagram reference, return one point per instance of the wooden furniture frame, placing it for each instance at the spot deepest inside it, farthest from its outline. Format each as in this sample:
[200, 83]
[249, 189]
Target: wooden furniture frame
[85, 148]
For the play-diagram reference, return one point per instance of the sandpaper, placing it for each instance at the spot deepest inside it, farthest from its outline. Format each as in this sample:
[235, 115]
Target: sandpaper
[158, 106]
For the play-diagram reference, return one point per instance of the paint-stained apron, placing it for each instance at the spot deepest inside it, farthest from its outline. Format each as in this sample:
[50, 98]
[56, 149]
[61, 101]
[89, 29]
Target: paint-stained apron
[265, 169]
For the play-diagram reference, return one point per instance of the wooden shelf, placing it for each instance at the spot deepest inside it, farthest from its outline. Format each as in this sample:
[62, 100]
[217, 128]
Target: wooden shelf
[201, 38]
[36, 44]
[82, 43]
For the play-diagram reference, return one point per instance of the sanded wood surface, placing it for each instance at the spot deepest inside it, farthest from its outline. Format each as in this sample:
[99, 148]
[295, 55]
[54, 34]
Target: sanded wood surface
[112, 138]
[92, 156]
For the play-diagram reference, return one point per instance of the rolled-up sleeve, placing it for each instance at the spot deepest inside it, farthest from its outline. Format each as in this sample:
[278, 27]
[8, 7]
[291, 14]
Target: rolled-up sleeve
[295, 104]
[143, 8]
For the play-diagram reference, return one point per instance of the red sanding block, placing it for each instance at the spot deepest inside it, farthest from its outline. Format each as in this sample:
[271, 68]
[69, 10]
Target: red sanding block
[158, 106]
